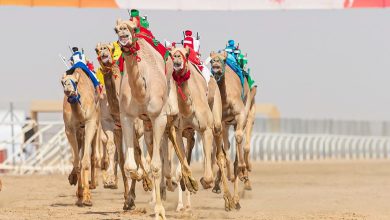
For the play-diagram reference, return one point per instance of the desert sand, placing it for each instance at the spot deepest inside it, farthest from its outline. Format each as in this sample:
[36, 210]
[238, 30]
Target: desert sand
[345, 190]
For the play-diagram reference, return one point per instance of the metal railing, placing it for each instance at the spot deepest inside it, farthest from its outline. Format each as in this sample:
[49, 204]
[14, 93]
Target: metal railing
[290, 140]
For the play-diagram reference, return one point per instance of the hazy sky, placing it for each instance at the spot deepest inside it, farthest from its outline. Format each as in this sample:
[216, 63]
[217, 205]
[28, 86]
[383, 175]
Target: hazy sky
[310, 63]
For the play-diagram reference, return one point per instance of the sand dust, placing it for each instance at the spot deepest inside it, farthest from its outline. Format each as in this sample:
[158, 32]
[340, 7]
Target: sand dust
[307, 190]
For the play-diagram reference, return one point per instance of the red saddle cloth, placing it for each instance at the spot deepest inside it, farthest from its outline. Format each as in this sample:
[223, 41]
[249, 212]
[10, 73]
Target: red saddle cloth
[194, 59]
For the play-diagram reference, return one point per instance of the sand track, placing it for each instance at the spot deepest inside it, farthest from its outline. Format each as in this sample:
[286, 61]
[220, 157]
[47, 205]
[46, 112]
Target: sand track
[308, 190]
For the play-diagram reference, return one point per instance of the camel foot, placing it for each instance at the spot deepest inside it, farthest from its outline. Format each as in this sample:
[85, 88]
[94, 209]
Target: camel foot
[236, 203]
[217, 189]
[163, 193]
[73, 177]
[248, 185]
[159, 213]
[238, 206]
[206, 185]
[191, 184]
[179, 208]
[147, 183]
[171, 185]
[79, 203]
[129, 205]
[87, 198]
[92, 185]
[110, 185]
[229, 203]
[242, 174]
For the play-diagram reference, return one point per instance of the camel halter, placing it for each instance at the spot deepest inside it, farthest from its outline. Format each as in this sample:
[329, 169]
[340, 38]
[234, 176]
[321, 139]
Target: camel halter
[133, 47]
[180, 78]
[73, 99]
[219, 77]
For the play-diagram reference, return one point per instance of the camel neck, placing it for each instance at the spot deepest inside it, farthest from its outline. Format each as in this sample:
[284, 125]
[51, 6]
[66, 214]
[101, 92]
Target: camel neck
[222, 86]
[184, 99]
[109, 79]
[136, 79]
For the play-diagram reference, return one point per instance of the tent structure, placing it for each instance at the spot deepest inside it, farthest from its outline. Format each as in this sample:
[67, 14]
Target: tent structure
[230, 5]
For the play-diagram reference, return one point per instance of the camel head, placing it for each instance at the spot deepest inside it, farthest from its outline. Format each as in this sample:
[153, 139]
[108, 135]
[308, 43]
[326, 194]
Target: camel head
[69, 82]
[180, 59]
[218, 62]
[125, 29]
[105, 53]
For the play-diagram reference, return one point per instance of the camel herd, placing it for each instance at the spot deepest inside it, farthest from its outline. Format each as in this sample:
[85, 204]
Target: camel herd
[160, 101]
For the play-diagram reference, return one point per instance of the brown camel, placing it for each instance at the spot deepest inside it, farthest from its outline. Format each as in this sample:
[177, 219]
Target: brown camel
[235, 109]
[200, 110]
[81, 117]
[112, 79]
[151, 99]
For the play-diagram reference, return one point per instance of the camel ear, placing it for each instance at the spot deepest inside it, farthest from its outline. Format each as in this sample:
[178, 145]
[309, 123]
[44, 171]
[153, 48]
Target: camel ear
[118, 21]
[97, 48]
[224, 54]
[130, 24]
[212, 53]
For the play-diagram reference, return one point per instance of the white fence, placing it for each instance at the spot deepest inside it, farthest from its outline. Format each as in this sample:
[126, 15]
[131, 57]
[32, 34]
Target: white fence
[52, 152]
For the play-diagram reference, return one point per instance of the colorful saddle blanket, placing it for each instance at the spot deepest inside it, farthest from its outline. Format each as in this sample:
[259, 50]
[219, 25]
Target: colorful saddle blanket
[232, 63]
[84, 67]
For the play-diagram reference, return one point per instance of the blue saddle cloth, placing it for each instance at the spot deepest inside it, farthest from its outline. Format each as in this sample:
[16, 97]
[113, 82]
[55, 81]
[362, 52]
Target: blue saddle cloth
[233, 64]
[87, 71]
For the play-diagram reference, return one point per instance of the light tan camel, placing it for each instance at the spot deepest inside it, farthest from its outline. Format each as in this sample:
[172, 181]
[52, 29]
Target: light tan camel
[248, 133]
[109, 173]
[151, 99]
[81, 120]
[235, 110]
[112, 79]
[200, 110]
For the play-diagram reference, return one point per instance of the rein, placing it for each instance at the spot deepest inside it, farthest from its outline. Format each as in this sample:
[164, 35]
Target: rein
[180, 78]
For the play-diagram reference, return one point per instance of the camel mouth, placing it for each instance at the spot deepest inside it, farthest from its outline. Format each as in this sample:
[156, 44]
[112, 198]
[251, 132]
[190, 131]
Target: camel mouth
[177, 66]
[215, 69]
[124, 39]
[70, 93]
[105, 58]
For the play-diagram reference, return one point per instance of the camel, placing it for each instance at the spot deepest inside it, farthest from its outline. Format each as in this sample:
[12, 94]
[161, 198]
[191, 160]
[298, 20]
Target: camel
[81, 118]
[108, 142]
[112, 79]
[235, 110]
[150, 98]
[200, 109]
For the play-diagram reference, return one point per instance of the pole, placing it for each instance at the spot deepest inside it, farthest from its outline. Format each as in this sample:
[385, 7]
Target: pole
[11, 109]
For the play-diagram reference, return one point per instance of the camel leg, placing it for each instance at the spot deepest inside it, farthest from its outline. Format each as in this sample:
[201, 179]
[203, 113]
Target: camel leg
[90, 132]
[94, 152]
[189, 181]
[167, 157]
[158, 124]
[190, 136]
[207, 139]
[236, 197]
[109, 161]
[72, 138]
[226, 145]
[239, 136]
[248, 133]
[121, 160]
[130, 166]
[180, 206]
